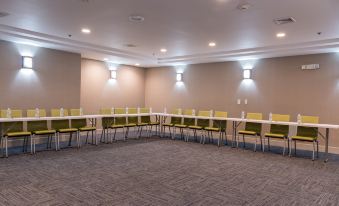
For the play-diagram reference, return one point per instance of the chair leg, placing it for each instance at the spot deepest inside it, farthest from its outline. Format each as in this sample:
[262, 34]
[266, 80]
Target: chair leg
[56, 141]
[295, 147]
[313, 151]
[284, 146]
[225, 134]
[255, 144]
[32, 144]
[317, 149]
[6, 146]
[243, 139]
[262, 143]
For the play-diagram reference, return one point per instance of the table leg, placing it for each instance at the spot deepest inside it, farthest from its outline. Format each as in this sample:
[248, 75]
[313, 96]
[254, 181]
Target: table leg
[327, 136]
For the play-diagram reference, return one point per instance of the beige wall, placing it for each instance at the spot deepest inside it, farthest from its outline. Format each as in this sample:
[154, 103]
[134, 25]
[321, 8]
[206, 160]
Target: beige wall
[98, 91]
[278, 86]
[54, 82]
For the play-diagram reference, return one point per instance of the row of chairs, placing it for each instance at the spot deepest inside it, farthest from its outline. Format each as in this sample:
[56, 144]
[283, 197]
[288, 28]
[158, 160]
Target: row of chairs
[110, 125]
[39, 128]
[251, 129]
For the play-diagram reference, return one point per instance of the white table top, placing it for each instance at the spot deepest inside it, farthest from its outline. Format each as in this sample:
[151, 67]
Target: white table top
[330, 126]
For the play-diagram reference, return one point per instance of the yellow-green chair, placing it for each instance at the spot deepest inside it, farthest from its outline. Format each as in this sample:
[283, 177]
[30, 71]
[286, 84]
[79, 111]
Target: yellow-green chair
[202, 123]
[187, 121]
[39, 128]
[172, 121]
[219, 126]
[279, 131]
[307, 134]
[106, 122]
[132, 121]
[13, 130]
[81, 125]
[145, 121]
[252, 129]
[62, 126]
[119, 122]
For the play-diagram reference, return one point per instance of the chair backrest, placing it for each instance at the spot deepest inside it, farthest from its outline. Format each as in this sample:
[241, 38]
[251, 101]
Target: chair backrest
[253, 126]
[12, 127]
[203, 122]
[132, 120]
[75, 112]
[78, 123]
[120, 120]
[278, 128]
[222, 124]
[308, 131]
[105, 111]
[31, 112]
[145, 119]
[176, 120]
[60, 124]
[37, 125]
[189, 121]
[57, 112]
[15, 113]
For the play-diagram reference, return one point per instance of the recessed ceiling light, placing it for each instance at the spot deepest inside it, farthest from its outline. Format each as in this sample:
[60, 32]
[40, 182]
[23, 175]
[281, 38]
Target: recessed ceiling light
[85, 30]
[281, 35]
[212, 44]
[137, 64]
[163, 50]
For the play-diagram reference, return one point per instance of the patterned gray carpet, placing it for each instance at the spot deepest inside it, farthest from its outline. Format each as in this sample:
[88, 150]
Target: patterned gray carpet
[166, 172]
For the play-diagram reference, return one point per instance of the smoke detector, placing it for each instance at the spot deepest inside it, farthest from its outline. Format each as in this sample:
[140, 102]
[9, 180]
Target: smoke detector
[243, 6]
[3, 14]
[284, 20]
[136, 18]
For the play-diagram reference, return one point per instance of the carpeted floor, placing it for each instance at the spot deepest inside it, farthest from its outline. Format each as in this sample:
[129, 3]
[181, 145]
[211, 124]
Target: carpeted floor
[166, 172]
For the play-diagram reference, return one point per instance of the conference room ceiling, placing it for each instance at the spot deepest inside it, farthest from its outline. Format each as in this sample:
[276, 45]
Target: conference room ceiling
[183, 27]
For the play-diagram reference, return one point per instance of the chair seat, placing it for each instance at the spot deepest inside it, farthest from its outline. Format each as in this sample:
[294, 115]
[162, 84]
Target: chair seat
[180, 125]
[115, 126]
[214, 129]
[143, 124]
[245, 132]
[195, 127]
[44, 132]
[167, 124]
[302, 138]
[87, 129]
[275, 135]
[130, 125]
[68, 130]
[17, 134]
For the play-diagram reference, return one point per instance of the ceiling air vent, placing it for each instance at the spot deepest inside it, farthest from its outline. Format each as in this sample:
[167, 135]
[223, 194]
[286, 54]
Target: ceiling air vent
[286, 20]
[3, 14]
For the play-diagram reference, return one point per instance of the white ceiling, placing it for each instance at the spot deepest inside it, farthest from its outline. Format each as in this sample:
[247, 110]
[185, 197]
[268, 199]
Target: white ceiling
[183, 27]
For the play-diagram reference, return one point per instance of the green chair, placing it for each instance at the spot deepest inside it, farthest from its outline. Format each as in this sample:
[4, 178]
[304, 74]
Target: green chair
[81, 125]
[307, 134]
[173, 120]
[132, 121]
[62, 126]
[145, 121]
[279, 131]
[219, 126]
[202, 123]
[119, 122]
[13, 130]
[39, 128]
[106, 122]
[252, 129]
[187, 121]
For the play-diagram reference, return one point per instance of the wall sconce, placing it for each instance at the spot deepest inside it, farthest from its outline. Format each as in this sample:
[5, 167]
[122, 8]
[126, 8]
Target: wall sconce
[179, 77]
[113, 74]
[247, 74]
[27, 62]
